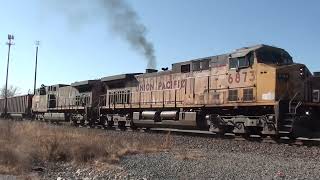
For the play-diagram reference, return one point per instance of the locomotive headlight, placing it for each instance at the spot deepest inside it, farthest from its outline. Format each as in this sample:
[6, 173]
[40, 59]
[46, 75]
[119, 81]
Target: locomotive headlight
[302, 72]
[307, 113]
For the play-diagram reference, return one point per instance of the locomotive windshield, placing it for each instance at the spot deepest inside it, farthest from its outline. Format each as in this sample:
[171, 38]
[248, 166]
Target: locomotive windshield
[241, 62]
[274, 56]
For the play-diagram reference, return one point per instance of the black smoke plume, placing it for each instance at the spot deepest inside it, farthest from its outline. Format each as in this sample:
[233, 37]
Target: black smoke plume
[119, 16]
[125, 22]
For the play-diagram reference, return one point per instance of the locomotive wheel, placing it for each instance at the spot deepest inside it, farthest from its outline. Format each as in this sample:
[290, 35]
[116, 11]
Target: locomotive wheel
[91, 124]
[132, 126]
[263, 136]
[73, 123]
[110, 123]
[82, 123]
[102, 123]
[122, 125]
[220, 134]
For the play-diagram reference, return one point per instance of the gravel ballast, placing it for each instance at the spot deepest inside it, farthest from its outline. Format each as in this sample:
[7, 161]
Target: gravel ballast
[192, 157]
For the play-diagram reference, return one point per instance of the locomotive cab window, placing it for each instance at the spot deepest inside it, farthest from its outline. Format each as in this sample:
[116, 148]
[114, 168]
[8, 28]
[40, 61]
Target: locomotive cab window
[42, 91]
[185, 68]
[241, 62]
[233, 63]
[238, 63]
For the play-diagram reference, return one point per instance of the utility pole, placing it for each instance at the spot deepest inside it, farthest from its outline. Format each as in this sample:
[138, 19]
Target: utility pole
[35, 69]
[9, 43]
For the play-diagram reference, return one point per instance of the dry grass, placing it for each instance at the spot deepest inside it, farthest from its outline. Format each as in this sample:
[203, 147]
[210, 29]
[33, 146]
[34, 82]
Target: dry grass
[26, 143]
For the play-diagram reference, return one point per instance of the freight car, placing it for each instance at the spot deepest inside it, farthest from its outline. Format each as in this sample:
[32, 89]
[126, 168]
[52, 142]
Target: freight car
[18, 106]
[253, 90]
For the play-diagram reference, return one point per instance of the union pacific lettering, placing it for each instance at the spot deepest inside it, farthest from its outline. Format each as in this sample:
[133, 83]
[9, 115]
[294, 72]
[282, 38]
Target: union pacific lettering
[162, 85]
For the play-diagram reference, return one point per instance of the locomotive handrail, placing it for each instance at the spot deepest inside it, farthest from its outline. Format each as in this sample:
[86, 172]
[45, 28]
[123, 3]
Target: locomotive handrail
[290, 102]
[297, 106]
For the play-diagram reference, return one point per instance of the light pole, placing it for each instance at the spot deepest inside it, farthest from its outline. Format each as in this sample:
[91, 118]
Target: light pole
[9, 43]
[35, 69]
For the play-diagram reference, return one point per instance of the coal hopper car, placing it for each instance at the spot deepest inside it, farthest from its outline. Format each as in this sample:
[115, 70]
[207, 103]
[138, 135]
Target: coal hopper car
[17, 107]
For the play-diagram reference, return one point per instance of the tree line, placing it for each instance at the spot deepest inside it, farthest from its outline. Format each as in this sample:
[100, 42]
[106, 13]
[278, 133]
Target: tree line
[11, 91]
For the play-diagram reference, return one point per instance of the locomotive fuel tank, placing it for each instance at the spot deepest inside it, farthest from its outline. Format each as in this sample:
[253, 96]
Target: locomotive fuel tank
[169, 115]
[150, 115]
[165, 119]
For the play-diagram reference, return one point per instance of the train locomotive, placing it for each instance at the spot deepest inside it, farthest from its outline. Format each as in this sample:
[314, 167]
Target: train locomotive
[255, 90]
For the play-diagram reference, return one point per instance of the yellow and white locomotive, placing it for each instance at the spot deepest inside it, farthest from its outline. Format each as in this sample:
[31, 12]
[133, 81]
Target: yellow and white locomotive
[253, 90]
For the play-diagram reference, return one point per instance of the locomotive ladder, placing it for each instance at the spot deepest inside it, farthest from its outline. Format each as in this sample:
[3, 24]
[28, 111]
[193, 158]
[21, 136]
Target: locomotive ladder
[286, 123]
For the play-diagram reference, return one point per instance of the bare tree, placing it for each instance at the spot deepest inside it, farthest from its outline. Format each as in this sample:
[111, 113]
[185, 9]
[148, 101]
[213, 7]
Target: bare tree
[11, 91]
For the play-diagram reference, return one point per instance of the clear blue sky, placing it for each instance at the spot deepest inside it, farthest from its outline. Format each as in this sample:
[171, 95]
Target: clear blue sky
[180, 30]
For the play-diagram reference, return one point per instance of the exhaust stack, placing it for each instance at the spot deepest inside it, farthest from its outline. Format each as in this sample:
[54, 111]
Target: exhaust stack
[151, 70]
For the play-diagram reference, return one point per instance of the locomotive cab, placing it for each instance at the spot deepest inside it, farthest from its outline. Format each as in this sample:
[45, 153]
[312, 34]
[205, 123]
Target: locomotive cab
[252, 72]
[46, 98]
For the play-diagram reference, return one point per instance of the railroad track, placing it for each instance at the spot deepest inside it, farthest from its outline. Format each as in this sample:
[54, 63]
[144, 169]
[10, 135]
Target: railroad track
[300, 141]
